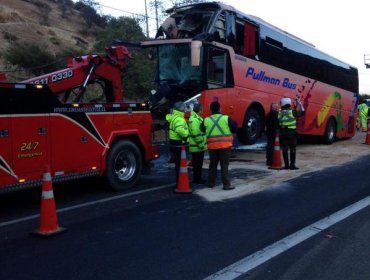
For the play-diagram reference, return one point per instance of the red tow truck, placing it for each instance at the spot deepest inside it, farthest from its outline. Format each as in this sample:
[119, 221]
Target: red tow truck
[74, 121]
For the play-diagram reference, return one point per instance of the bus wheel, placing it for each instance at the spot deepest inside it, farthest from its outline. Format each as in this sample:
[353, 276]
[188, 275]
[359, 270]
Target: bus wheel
[330, 132]
[123, 165]
[251, 129]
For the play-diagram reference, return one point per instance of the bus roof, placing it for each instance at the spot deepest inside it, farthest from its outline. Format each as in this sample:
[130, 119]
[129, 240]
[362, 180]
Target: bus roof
[221, 6]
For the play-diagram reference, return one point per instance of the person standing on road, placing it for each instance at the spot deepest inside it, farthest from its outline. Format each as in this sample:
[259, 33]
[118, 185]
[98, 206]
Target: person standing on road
[288, 130]
[178, 133]
[219, 129]
[197, 143]
[362, 115]
[272, 125]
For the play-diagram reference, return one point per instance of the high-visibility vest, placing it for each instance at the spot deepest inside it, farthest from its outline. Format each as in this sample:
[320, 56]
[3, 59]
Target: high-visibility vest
[197, 139]
[218, 132]
[286, 119]
[363, 109]
[178, 126]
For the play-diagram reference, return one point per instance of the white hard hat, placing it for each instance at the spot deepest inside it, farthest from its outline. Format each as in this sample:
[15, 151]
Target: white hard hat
[285, 101]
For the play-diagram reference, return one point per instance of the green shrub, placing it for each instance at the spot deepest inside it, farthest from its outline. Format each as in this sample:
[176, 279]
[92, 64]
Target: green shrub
[10, 37]
[34, 58]
[54, 40]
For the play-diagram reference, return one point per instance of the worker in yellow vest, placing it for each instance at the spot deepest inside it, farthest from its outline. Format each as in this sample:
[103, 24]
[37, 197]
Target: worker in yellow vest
[219, 129]
[288, 130]
[197, 143]
[178, 133]
[363, 111]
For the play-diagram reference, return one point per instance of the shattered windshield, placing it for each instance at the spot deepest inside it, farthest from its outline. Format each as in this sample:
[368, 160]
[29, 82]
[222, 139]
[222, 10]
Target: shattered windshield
[175, 64]
[176, 79]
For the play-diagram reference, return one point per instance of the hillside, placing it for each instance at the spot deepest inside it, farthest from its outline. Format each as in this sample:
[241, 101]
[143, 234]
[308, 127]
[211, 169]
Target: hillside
[44, 22]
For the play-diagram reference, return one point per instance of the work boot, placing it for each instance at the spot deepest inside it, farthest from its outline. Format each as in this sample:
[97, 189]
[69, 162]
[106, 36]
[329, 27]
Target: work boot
[292, 161]
[286, 160]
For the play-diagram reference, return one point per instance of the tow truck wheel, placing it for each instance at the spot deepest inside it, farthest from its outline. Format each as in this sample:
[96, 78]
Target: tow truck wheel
[124, 165]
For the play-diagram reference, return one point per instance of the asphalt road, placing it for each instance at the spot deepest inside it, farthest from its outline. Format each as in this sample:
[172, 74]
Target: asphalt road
[339, 252]
[155, 234]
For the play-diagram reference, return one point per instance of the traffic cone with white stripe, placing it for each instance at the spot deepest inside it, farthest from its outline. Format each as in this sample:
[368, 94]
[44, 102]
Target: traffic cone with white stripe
[276, 156]
[367, 141]
[48, 215]
[183, 185]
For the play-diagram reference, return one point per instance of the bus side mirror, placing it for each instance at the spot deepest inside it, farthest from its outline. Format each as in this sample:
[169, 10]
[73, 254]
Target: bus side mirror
[195, 52]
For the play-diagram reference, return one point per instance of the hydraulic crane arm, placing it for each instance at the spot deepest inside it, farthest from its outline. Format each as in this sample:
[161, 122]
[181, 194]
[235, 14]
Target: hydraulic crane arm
[82, 70]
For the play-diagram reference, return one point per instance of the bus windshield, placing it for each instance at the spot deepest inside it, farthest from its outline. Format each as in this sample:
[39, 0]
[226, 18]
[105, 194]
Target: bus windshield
[174, 63]
[176, 78]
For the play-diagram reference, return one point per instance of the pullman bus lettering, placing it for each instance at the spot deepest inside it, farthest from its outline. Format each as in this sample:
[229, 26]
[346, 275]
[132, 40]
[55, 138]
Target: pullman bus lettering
[261, 76]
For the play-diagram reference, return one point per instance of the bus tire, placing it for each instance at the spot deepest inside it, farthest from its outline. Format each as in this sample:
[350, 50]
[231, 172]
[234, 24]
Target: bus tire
[330, 132]
[123, 165]
[251, 129]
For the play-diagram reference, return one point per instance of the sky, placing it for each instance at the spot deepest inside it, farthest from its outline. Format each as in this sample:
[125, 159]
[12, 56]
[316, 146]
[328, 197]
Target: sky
[337, 27]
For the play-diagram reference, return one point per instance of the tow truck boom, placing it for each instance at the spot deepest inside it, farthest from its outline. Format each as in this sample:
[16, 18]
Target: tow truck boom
[84, 69]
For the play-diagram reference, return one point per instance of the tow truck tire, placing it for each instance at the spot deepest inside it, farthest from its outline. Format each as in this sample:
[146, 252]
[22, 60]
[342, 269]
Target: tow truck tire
[251, 129]
[330, 132]
[124, 165]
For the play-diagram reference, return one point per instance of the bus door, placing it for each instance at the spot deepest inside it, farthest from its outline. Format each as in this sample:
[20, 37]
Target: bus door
[29, 130]
[220, 81]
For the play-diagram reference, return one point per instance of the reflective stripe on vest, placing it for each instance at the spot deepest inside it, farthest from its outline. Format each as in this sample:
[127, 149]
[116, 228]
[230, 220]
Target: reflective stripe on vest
[287, 120]
[218, 132]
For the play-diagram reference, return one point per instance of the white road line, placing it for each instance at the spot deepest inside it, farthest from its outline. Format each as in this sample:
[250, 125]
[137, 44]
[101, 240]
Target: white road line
[248, 263]
[85, 204]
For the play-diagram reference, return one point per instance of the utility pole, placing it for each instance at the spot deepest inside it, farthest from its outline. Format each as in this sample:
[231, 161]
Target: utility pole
[146, 20]
[156, 13]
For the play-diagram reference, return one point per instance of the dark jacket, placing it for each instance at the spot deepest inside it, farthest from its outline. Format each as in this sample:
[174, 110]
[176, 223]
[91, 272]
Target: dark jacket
[272, 124]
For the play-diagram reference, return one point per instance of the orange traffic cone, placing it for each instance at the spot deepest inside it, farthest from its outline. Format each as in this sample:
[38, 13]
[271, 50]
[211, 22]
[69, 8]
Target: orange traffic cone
[48, 215]
[183, 181]
[367, 141]
[276, 156]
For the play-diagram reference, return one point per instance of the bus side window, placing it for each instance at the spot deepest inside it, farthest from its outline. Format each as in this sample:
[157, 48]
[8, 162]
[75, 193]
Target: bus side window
[239, 46]
[230, 29]
[220, 33]
[249, 40]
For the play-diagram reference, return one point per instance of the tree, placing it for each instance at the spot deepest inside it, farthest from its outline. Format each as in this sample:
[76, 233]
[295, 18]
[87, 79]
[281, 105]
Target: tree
[137, 77]
[34, 58]
[88, 11]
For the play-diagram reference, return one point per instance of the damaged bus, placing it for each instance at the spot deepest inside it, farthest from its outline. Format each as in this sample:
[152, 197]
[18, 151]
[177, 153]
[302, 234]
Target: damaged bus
[212, 51]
